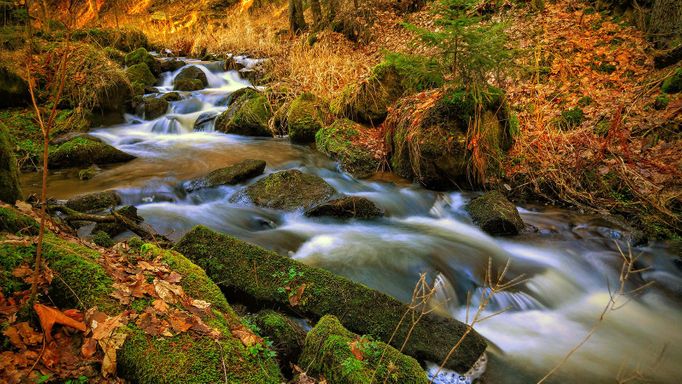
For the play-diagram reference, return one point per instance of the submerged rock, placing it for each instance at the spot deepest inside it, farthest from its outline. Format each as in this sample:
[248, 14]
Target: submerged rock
[306, 116]
[495, 214]
[315, 292]
[94, 201]
[13, 89]
[190, 79]
[248, 114]
[10, 187]
[339, 142]
[205, 121]
[152, 107]
[234, 174]
[341, 356]
[430, 145]
[347, 208]
[289, 190]
[84, 151]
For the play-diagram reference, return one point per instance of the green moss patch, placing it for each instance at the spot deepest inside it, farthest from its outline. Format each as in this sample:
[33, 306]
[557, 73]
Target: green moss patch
[306, 116]
[248, 115]
[83, 151]
[339, 141]
[673, 84]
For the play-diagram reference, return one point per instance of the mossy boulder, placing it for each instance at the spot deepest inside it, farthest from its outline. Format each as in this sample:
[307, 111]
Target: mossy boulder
[171, 96]
[171, 65]
[190, 79]
[83, 151]
[350, 207]
[673, 84]
[140, 76]
[249, 271]
[152, 107]
[13, 89]
[96, 201]
[10, 187]
[432, 145]
[140, 56]
[398, 75]
[287, 337]
[234, 174]
[248, 115]
[289, 190]
[495, 214]
[340, 141]
[341, 356]
[183, 358]
[306, 116]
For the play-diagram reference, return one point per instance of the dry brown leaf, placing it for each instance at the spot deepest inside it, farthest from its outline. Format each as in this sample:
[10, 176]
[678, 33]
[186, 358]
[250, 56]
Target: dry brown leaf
[295, 299]
[89, 348]
[247, 337]
[13, 335]
[160, 305]
[50, 316]
[110, 346]
[167, 291]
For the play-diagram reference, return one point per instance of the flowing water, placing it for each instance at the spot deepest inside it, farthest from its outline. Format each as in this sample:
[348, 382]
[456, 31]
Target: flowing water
[571, 264]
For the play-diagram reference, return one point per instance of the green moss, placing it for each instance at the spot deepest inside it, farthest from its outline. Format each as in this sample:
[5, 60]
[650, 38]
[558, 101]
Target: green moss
[328, 353]
[287, 337]
[255, 272]
[102, 239]
[248, 115]
[84, 151]
[338, 141]
[10, 187]
[571, 118]
[661, 102]
[16, 223]
[230, 175]
[140, 56]
[289, 190]
[140, 74]
[673, 84]
[495, 214]
[305, 118]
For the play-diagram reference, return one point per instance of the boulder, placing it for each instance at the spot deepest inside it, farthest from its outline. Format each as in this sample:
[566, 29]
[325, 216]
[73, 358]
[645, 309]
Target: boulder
[140, 76]
[287, 336]
[306, 116]
[346, 208]
[171, 96]
[94, 201]
[289, 190]
[340, 356]
[190, 79]
[248, 115]
[83, 151]
[495, 214]
[13, 89]
[152, 107]
[315, 292]
[340, 141]
[171, 65]
[140, 56]
[10, 187]
[430, 145]
[234, 174]
[368, 102]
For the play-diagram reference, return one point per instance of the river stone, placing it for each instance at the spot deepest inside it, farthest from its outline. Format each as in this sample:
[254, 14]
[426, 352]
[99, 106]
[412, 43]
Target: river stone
[290, 190]
[247, 115]
[171, 65]
[230, 262]
[190, 79]
[152, 107]
[495, 214]
[83, 151]
[94, 201]
[234, 174]
[329, 347]
[115, 229]
[347, 208]
[10, 190]
[171, 96]
[205, 120]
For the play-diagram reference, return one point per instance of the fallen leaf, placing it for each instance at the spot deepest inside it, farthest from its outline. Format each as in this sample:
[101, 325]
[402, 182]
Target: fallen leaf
[29, 335]
[110, 346]
[160, 305]
[295, 299]
[167, 291]
[13, 335]
[50, 316]
[89, 348]
[247, 337]
[355, 350]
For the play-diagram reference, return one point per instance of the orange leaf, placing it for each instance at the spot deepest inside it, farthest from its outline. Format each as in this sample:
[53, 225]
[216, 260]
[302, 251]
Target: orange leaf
[295, 299]
[50, 316]
[355, 350]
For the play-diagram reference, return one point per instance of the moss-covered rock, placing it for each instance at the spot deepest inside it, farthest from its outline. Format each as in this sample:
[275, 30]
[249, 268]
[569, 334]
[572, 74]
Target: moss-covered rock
[13, 89]
[10, 187]
[184, 358]
[495, 214]
[248, 115]
[396, 76]
[140, 76]
[306, 116]
[286, 336]
[190, 79]
[254, 272]
[102, 239]
[431, 145]
[140, 56]
[340, 141]
[171, 65]
[94, 201]
[152, 107]
[341, 356]
[673, 84]
[83, 151]
[234, 174]
[16, 223]
[346, 208]
[289, 190]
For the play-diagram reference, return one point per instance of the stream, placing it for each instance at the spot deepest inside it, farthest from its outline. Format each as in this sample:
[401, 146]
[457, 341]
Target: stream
[570, 264]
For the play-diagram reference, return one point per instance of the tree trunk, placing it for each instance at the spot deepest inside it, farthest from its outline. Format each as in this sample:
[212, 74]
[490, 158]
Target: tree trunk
[665, 24]
[317, 13]
[296, 19]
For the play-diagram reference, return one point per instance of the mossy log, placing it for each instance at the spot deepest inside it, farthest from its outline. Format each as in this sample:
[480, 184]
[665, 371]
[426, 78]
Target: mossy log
[183, 358]
[344, 357]
[10, 189]
[246, 269]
